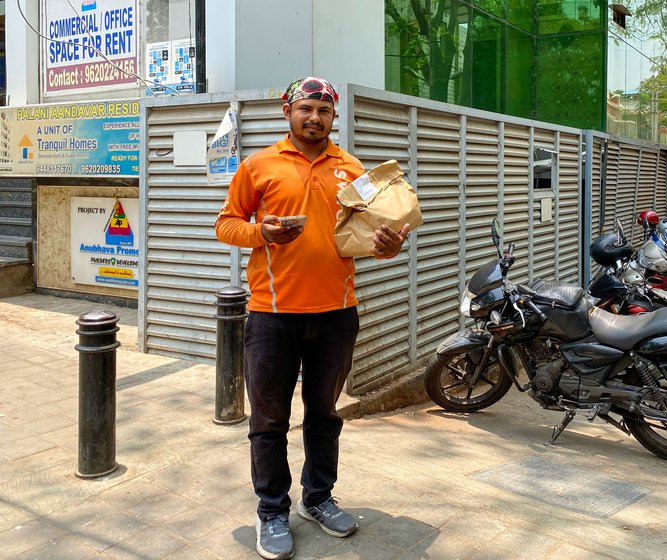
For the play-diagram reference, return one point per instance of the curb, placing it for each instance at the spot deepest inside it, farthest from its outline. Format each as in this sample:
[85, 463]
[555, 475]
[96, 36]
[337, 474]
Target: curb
[405, 391]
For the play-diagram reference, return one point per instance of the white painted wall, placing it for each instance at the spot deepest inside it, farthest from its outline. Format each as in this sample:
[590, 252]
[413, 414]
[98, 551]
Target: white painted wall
[262, 44]
[274, 42]
[348, 41]
[22, 50]
[220, 45]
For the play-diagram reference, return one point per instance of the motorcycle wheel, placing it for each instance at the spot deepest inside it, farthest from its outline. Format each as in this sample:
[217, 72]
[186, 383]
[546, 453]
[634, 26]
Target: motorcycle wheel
[447, 379]
[647, 432]
[652, 434]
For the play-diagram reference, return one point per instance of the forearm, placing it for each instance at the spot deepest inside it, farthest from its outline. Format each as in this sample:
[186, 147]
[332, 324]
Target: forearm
[239, 232]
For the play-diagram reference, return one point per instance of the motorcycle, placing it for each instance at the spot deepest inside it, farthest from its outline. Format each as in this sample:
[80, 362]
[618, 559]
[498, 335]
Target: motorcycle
[652, 256]
[619, 285]
[578, 358]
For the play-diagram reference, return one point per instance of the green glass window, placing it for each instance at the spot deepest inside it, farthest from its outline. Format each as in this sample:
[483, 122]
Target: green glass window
[520, 14]
[495, 7]
[488, 76]
[520, 75]
[560, 61]
[567, 16]
[569, 78]
[426, 51]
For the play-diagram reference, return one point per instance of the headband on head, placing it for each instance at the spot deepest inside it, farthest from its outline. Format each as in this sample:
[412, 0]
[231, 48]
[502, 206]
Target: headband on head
[310, 88]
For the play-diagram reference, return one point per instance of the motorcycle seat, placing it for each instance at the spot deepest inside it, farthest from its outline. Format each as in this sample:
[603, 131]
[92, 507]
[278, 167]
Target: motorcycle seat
[626, 331]
[556, 294]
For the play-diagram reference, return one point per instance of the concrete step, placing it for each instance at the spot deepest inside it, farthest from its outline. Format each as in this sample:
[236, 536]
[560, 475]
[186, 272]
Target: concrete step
[16, 195]
[15, 227]
[13, 183]
[15, 276]
[16, 208]
[16, 247]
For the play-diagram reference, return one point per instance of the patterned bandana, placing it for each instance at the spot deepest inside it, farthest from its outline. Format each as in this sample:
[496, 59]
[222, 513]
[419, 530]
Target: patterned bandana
[310, 88]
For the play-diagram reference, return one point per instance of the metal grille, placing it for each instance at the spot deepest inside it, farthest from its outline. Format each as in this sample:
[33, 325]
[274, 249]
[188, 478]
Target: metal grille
[544, 230]
[516, 210]
[439, 181]
[611, 185]
[381, 131]
[626, 202]
[569, 247]
[185, 265]
[467, 167]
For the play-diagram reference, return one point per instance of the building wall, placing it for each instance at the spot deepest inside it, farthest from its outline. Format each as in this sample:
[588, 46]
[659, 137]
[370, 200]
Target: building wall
[54, 237]
[258, 44]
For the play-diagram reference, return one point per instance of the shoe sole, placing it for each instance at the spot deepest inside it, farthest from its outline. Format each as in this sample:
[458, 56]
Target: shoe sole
[302, 512]
[265, 553]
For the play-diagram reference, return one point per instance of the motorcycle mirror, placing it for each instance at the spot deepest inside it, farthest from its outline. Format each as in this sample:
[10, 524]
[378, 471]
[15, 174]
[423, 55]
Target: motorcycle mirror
[495, 235]
[621, 235]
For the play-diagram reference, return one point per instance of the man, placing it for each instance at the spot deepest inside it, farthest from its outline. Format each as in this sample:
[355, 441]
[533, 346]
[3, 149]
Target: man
[302, 309]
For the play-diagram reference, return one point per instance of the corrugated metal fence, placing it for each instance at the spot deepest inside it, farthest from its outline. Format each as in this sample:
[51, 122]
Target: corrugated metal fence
[467, 167]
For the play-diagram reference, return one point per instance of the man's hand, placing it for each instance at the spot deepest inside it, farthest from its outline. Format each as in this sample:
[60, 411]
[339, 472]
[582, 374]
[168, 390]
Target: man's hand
[273, 232]
[387, 242]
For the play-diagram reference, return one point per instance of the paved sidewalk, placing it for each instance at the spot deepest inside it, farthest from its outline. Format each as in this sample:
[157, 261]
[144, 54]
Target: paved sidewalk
[413, 478]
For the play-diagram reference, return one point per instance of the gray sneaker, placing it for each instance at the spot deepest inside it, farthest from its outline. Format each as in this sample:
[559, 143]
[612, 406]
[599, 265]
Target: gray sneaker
[333, 520]
[274, 540]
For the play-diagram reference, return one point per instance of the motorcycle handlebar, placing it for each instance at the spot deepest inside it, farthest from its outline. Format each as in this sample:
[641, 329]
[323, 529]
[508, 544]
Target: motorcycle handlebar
[508, 258]
[536, 309]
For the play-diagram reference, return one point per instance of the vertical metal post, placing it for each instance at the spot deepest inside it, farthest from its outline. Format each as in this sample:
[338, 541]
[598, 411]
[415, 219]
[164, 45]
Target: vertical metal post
[587, 209]
[97, 393]
[229, 386]
[200, 45]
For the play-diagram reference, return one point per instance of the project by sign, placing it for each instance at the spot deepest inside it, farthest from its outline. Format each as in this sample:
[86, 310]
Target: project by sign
[83, 34]
[104, 236]
[72, 139]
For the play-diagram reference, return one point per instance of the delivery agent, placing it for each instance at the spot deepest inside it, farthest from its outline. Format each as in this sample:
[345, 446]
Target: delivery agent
[302, 309]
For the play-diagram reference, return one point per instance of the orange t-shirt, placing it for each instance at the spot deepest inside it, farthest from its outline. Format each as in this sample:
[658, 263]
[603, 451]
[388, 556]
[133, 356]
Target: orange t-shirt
[306, 275]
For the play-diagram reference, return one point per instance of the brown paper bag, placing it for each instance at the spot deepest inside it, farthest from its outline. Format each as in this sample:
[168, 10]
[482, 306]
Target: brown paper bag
[378, 197]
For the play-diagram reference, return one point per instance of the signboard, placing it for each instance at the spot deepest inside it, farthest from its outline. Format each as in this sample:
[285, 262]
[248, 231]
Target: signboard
[222, 158]
[170, 66]
[158, 65]
[72, 139]
[105, 241]
[86, 34]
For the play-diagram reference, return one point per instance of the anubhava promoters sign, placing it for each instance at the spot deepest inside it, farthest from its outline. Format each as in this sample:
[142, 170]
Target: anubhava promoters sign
[105, 241]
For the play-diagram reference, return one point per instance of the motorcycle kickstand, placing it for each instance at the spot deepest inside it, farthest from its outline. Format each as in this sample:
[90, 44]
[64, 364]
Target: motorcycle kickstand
[558, 430]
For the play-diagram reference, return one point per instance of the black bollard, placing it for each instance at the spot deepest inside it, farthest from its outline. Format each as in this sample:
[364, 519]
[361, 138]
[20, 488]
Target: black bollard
[97, 393]
[229, 387]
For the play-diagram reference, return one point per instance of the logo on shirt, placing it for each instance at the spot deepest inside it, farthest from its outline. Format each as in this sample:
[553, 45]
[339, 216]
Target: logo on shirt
[340, 174]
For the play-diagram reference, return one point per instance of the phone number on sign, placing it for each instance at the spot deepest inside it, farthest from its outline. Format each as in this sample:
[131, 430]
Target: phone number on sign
[56, 168]
[99, 169]
[103, 72]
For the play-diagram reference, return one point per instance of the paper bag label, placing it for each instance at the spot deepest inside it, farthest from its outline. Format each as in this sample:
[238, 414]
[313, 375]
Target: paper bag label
[364, 187]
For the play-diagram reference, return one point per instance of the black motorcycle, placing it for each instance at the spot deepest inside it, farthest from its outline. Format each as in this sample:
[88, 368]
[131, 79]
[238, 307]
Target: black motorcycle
[620, 284]
[578, 357]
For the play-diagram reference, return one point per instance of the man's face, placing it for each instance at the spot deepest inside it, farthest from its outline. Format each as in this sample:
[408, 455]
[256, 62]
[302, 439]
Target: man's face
[310, 120]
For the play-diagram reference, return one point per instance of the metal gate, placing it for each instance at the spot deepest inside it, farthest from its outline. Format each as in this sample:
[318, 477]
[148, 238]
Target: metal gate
[626, 177]
[467, 167]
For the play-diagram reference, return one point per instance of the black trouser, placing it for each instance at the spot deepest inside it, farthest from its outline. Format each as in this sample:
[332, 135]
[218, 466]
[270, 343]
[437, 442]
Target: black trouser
[277, 345]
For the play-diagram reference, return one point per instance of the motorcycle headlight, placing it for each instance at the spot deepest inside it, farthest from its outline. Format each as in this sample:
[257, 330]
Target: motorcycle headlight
[467, 305]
